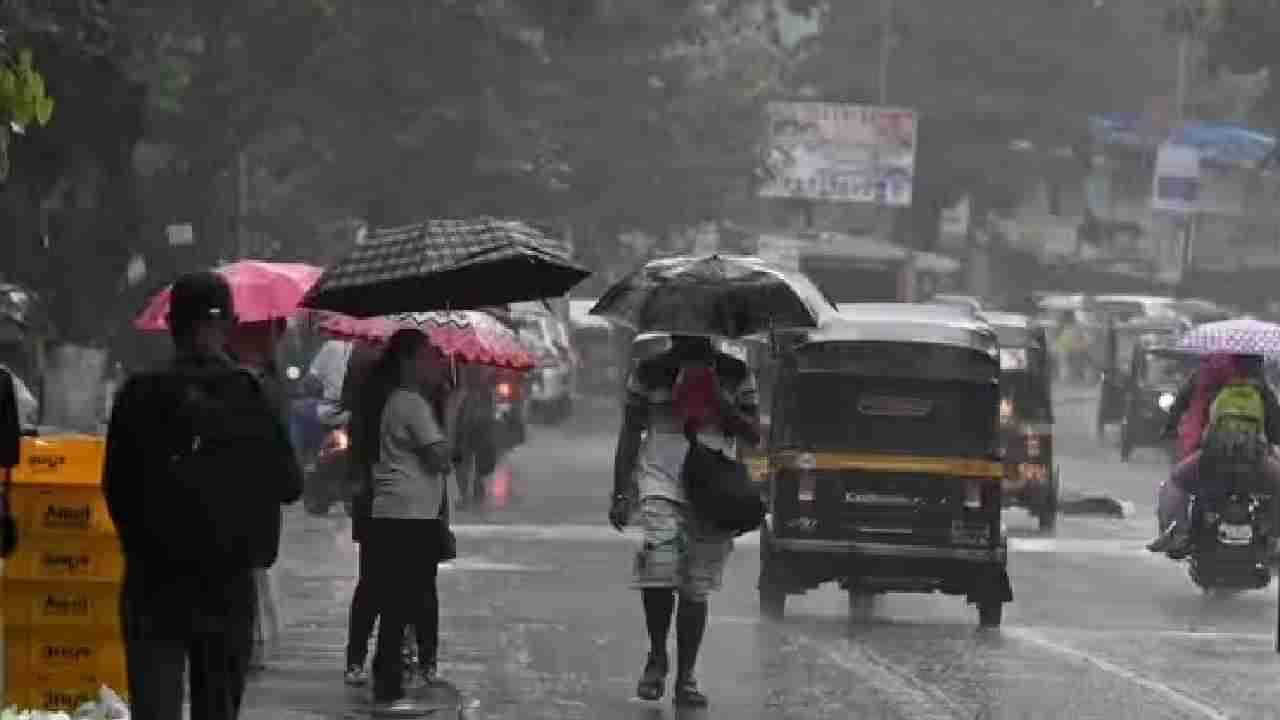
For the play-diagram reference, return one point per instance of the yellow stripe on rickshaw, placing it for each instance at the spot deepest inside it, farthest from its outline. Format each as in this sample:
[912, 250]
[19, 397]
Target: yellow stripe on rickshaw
[958, 467]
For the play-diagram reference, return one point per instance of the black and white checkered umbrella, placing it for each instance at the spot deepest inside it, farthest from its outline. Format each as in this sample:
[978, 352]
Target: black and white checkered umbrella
[446, 264]
[717, 295]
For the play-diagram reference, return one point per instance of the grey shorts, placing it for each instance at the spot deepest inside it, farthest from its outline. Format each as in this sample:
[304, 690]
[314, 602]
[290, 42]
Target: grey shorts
[676, 553]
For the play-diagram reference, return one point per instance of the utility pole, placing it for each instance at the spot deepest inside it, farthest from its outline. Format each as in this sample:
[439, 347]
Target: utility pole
[242, 205]
[886, 39]
[1180, 108]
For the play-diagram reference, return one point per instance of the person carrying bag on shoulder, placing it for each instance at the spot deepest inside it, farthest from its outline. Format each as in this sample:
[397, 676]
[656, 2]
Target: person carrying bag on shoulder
[686, 410]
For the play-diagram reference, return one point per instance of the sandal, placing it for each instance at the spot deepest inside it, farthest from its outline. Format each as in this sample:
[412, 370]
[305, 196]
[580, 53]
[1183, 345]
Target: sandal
[688, 695]
[653, 681]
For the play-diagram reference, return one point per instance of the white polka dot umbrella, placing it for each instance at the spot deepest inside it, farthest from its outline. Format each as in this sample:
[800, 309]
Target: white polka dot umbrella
[1244, 336]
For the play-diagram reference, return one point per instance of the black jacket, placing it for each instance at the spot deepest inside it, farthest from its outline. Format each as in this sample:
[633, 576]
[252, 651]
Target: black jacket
[134, 420]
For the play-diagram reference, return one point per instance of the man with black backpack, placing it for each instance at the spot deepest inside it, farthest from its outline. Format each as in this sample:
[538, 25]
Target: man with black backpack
[198, 464]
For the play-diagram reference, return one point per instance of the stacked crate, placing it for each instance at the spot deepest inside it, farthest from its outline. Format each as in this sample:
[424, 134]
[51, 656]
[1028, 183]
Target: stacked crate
[61, 588]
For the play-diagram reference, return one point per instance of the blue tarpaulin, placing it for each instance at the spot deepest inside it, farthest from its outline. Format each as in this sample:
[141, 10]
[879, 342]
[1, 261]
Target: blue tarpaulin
[1218, 143]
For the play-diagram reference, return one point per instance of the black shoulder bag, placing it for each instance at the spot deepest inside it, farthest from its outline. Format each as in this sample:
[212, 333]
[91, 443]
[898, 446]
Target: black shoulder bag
[720, 489]
[10, 445]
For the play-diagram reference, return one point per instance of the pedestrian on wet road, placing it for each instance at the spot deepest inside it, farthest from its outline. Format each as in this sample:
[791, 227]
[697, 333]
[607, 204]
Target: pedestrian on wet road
[690, 387]
[407, 533]
[198, 463]
[364, 431]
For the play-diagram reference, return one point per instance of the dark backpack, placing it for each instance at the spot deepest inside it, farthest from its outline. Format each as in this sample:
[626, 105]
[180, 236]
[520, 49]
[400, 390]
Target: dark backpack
[218, 465]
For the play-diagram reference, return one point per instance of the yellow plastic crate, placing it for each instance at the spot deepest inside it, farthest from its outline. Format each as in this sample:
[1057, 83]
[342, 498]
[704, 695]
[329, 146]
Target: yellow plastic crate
[47, 663]
[35, 604]
[95, 559]
[61, 511]
[51, 694]
[61, 670]
[67, 459]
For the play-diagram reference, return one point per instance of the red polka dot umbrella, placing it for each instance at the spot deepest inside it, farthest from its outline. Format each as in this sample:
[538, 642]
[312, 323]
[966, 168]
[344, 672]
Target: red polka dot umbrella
[468, 335]
[1243, 336]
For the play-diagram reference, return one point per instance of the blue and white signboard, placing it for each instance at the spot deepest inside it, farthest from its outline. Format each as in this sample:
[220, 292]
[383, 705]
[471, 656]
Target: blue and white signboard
[1176, 188]
[841, 153]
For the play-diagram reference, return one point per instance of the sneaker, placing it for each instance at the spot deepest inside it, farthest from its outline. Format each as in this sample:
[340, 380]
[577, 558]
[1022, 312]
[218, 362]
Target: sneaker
[356, 676]
[1180, 547]
[1167, 539]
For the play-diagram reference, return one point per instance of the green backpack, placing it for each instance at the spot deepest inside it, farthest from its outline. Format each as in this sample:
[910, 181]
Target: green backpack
[1233, 447]
[1238, 406]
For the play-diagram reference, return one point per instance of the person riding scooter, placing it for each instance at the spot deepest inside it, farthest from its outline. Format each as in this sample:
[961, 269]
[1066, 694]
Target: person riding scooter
[1226, 417]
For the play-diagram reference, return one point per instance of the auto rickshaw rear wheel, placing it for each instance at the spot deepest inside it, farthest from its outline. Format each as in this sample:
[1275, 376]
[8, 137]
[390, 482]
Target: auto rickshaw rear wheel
[773, 599]
[990, 613]
[1048, 512]
[773, 602]
[862, 605]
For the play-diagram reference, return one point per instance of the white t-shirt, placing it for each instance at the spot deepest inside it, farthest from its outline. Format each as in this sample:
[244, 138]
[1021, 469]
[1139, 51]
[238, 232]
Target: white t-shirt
[662, 451]
[403, 487]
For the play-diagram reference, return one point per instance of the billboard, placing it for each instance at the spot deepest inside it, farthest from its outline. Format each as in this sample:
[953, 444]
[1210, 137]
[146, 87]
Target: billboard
[840, 153]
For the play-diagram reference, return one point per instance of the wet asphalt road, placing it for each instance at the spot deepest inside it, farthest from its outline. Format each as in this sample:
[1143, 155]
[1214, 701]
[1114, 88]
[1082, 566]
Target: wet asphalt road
[539, 622]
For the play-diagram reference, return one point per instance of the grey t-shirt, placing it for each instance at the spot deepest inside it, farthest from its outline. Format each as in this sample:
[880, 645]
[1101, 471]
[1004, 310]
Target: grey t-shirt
[403, 487]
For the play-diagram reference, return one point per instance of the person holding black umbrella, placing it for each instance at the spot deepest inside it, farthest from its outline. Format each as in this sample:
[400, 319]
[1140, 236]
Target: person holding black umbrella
[690, 390]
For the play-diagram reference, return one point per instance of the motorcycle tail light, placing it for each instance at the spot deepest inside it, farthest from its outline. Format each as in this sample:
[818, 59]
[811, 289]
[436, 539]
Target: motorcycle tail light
[806, 487]
[506, 391]
[973, 494]
[337, 441]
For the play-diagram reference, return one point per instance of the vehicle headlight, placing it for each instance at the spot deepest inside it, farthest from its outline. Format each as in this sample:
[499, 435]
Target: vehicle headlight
[1165, 401]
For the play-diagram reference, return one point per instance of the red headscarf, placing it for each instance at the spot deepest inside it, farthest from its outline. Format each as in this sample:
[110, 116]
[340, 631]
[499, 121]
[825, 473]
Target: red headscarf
[1215, 371]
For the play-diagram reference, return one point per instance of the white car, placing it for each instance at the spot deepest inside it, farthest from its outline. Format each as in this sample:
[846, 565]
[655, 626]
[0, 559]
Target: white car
[551, 390]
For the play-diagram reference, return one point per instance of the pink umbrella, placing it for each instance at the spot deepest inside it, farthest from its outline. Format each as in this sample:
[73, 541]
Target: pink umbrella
[469, 335]
[262, 291]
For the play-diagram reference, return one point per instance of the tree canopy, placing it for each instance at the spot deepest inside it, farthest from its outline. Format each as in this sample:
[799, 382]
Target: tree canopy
[982, 75]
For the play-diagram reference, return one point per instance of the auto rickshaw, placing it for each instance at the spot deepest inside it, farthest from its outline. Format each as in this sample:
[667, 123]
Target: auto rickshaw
[1031, 478]
[884, 462]
[1156, 373]
[1118, 343]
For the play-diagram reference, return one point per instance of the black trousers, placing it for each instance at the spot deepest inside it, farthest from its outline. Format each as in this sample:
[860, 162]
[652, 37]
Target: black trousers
[364, 615]
[401, 568]
[190, 626]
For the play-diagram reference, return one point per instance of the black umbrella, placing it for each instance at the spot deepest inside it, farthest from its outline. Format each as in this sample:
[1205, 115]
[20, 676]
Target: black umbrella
[723, 295]
[446, 265]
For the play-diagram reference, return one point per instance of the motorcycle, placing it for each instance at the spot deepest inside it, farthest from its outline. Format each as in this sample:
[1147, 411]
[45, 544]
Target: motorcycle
[326, 481]
[1233, 539]
[320, 436]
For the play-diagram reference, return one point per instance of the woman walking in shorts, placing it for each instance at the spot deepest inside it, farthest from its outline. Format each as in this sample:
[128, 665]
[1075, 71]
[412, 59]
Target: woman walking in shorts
[691, 387]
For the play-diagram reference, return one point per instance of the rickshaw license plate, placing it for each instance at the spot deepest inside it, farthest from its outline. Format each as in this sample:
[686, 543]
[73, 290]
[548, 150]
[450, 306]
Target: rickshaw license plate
[1031, 473]
[1235, 533]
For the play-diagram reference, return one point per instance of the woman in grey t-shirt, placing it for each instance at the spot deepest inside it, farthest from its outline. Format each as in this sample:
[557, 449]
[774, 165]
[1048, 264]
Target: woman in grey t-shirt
[410, 468]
